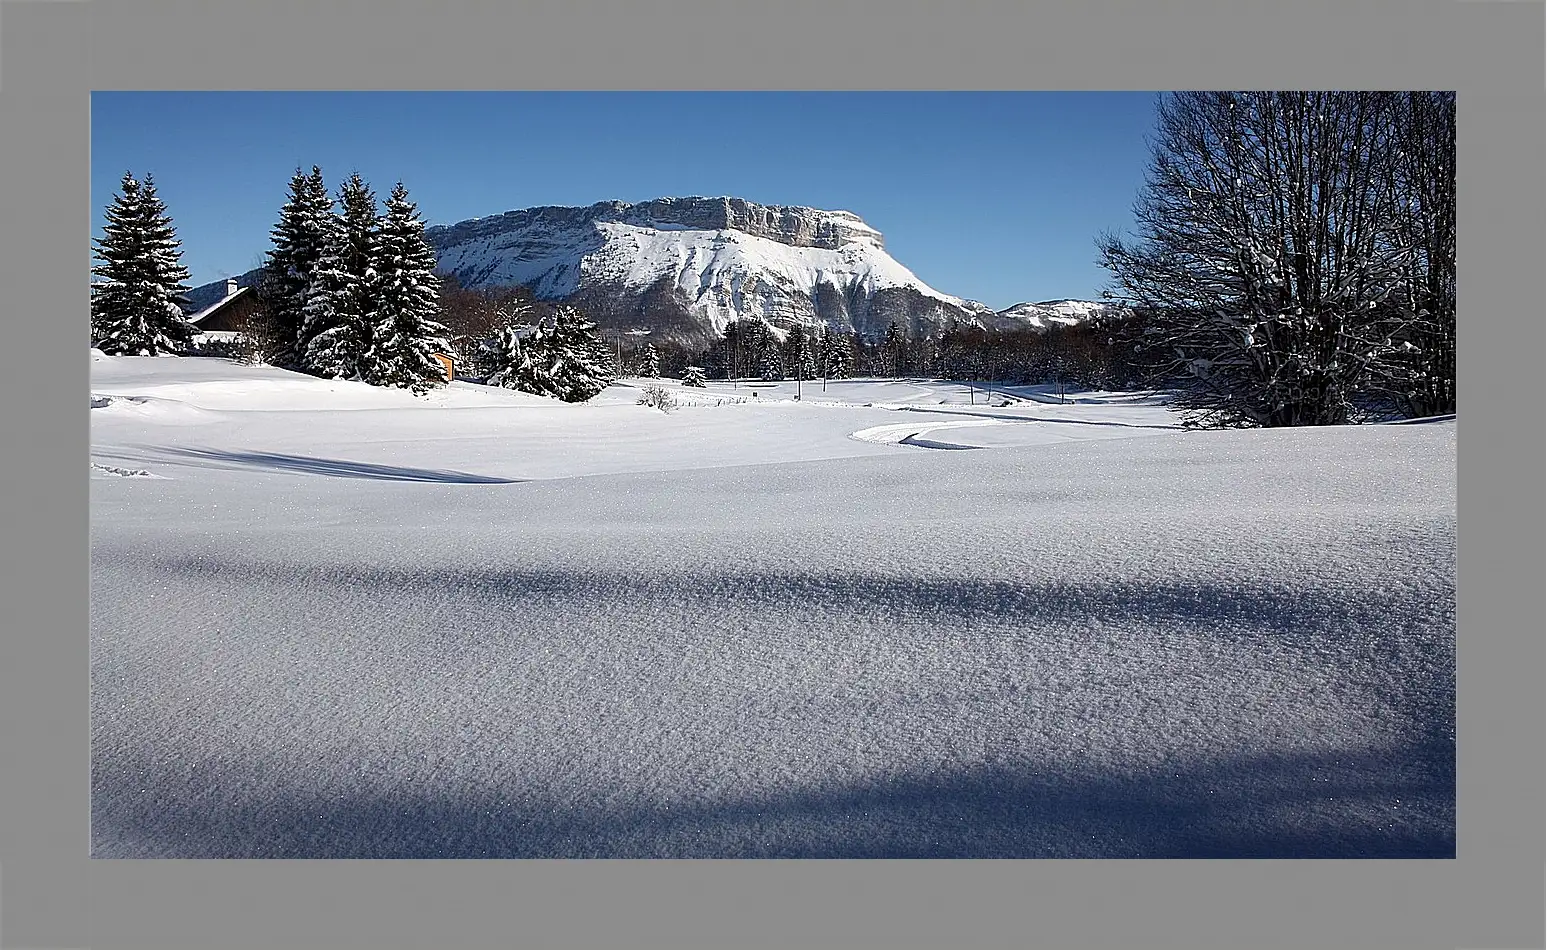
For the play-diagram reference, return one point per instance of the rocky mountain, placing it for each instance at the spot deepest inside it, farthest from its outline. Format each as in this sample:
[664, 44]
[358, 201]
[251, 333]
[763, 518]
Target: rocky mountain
[685, 267]
[1053, 312]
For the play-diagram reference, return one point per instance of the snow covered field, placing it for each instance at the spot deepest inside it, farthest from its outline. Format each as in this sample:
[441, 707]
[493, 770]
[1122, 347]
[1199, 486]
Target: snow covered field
[336, 621]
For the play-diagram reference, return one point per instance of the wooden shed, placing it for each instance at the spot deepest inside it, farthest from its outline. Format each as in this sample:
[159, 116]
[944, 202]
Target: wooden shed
[228, 314]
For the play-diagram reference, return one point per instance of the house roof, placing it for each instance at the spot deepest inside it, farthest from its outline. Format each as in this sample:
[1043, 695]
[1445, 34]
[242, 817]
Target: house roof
[216, 306]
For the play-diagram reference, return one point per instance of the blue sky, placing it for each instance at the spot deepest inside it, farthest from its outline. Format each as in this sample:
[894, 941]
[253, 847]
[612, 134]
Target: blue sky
[993, 196]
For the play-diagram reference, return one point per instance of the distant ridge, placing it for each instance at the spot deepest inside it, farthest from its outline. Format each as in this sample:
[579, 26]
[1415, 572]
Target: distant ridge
[683, 268]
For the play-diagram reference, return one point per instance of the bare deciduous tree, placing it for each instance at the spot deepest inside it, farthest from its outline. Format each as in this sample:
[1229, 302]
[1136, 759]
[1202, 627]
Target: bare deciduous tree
[1424, 380]
[1273, 265]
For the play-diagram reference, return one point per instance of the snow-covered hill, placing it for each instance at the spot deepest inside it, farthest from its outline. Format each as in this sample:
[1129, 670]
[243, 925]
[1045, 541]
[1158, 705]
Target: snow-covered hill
[1053, 312]
[328, 620]
[684, 267]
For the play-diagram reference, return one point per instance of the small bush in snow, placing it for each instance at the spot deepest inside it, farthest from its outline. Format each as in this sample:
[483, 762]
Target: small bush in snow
[694, 377]
[236, 348]
[656, 398]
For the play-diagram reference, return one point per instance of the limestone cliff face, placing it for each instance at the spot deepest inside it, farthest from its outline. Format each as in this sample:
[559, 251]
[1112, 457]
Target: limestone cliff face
[792, 226]
[795, 227]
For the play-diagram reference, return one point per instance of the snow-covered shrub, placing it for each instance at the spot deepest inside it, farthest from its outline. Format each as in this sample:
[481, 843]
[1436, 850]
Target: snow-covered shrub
[236, 347]
[694, 377]
[656, 398]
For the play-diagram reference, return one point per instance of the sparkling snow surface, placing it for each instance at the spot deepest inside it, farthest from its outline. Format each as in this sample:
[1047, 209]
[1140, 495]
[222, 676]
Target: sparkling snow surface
[336, 621]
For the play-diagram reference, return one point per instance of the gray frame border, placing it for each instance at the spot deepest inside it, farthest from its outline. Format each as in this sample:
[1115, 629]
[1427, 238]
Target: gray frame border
[52, 54]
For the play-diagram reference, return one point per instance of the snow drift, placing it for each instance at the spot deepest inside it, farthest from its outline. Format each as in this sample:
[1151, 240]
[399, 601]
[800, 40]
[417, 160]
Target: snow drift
[312, 638]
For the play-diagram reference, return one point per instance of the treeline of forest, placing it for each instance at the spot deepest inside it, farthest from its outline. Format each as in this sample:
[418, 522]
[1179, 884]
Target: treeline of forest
[1097, 353]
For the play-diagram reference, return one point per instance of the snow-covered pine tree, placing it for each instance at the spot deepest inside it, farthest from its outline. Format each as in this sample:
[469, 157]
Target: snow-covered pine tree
[565, 358]
[576, 358]
[798, 358]
[305, 228]
[405, 335]
[694, 376]
[544, 366]
[892, 349]
[837, 356]
[339, 307]
[141, 271]
[481, 351]
[770, 358]
[649, 364]
[510, 358]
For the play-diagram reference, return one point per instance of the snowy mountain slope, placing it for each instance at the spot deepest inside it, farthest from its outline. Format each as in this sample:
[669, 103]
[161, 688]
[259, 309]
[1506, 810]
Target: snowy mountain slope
[691, 265]
[1053, 312]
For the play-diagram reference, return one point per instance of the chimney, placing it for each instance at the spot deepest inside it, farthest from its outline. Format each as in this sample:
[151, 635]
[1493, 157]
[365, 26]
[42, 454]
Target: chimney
[230, 286]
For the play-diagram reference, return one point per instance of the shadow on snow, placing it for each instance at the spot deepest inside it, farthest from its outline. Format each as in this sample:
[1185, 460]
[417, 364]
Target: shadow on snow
[1396, 801]
[1390, 803]
[336, 468]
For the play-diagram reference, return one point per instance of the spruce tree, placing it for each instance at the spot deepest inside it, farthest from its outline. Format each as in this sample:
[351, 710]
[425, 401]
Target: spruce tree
[694, 376]
[650, 363]
[305, 229]
[543, 372]
[837, 356]
[798, 360]
[339, 308]
[141, 271]
[405, 335]
[739, 347]
[511, 360]
[930, 356]
[579, 360]
[565, 359]
[891, 350]
[770, 358]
